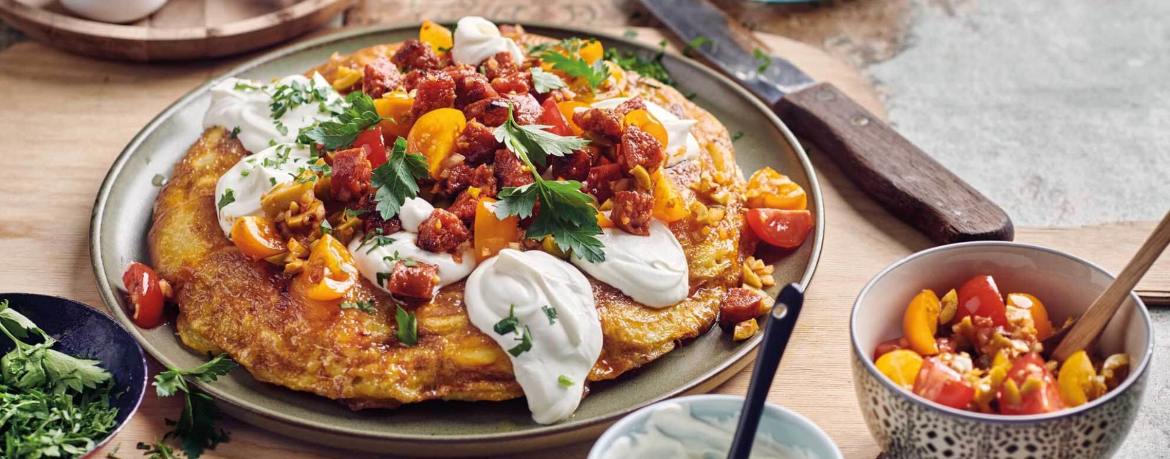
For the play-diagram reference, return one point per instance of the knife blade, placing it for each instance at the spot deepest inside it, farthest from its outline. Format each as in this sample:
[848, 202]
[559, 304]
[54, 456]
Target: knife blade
[897, 174]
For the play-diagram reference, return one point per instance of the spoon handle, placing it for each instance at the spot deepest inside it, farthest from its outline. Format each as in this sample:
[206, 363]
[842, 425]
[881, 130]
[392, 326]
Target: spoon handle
[776, 334]
[1086, 329]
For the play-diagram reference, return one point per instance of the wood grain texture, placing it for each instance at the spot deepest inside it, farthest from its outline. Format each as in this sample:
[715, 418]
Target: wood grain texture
[60, 143]
[182, 29]
[907, 181]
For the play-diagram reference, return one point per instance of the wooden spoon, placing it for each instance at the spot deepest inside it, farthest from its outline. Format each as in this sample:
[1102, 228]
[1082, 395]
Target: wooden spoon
[1085, 330]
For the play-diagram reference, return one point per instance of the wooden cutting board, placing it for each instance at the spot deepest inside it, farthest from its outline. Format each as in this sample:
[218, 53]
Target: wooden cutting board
[66, 118]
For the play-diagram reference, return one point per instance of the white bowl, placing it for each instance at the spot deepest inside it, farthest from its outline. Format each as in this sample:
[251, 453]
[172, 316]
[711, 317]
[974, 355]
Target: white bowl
[781, 424]
[908, 426]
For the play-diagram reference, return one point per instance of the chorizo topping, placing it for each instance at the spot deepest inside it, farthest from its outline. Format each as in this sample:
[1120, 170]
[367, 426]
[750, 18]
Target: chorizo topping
[443, 231]
[413, 279]
[380, 77]
[351, 175]
[414, 54]
[631, 212]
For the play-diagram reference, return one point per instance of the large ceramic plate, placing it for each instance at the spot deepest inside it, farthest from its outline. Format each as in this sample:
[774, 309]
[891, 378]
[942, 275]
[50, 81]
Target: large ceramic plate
[121, 218]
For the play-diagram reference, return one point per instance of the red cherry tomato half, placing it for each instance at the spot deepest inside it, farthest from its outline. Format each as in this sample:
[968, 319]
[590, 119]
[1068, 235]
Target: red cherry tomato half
[371, 141]
[145, 294]
[1035, 400]
[781, 228]
[552, 117]
[886, 347]
[943, 385]
[980, 297]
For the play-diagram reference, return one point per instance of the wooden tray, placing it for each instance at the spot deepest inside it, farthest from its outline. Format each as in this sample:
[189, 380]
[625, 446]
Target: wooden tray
[182, 29]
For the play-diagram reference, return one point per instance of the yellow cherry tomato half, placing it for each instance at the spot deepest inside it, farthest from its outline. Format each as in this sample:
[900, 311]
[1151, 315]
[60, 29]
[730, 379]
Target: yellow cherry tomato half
[771, 189]
[1075, 379]
[330, 271]
[257, 237]
[920, 322]
[568, 108]
[647, 122]
[1036, 308]
[433, 136]
[591, 52]
[901, 366]
[669, 205]
[491, 233]
[394, 106]
[437, 36]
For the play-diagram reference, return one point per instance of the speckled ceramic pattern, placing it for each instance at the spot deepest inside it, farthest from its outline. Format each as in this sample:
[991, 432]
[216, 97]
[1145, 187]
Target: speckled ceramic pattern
[122, 216]
[909, 427]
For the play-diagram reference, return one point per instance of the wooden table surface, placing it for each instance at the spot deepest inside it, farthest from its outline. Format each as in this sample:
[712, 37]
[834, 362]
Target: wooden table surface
[65, 119]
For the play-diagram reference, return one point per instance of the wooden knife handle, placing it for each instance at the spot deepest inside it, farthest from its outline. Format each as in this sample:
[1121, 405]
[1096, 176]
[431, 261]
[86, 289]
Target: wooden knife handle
[892, 170]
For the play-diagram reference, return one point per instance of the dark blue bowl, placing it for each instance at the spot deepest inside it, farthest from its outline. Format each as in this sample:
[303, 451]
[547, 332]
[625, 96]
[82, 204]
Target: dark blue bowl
[86, 332]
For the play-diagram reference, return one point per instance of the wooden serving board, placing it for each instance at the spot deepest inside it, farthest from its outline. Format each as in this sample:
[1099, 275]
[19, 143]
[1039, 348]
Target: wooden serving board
[66, 118]
[181, 29]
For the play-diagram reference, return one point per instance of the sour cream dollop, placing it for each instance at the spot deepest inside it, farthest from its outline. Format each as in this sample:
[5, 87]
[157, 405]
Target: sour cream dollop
[253, 176]
[564, 348]
[372, 259]
[650, 269]
[680, 143]
[414, 211]
[477, 39]
[247, 105]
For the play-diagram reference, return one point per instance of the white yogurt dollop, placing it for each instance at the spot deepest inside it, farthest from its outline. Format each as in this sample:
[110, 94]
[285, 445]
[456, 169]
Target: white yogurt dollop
[414, 211]
[247, 105]
[372, 259]
[477, 39]
[650, 269]
[253, 176]
[533, 286]
[680, 144]
[674, 432]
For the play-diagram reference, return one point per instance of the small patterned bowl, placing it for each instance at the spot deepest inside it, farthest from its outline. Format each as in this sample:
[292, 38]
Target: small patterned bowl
[908, 426]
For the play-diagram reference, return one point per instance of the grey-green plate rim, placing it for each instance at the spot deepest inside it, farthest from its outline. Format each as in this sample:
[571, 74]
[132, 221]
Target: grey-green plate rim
[249, 413]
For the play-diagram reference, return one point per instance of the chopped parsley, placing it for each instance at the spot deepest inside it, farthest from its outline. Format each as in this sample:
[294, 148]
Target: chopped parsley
[397, 179]
[544, 81]
[566, 212]
[228, 197]
[763, 58]
[354, 213]
[376, 238]
[593, 74]
[383, 277]
[551, 313]
[525, 343]
[195, 428]
[245, 172]
[697, 43]
[156, 450]
[272, 180]
[242, 86]
[565, 381]
[649, 68]
[407, 327]
[345, 126]
[507, 324]
[366, 306]
[286, 97]
[235, 133]
[738, 135]
[325, 227]
[407, 261]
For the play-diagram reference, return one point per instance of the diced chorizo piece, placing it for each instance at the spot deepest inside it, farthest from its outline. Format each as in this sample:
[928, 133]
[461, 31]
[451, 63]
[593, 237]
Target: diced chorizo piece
[484, 178]
[413, 279]
[414, 54]
[510, 171]
[599, 182]
[513, 83]
[631, 212]
[458, 179]
[381, 77]
[739, 305]
[639, 148]
[351, 175]
[574, 166]
[477, 143]
[472, 88]
[492, 112]
[499, 65]
[435, 89]
[464, 207]
[634, 103]
[442, 232]
[525, 108]
[372, 219]
[411, 79]
[601, 123]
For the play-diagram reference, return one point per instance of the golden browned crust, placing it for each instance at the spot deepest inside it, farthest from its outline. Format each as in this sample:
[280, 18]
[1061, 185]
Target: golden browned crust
[255, 313]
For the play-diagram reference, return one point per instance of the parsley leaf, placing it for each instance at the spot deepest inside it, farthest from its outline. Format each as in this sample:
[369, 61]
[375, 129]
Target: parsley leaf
[407, 261]
[593, 74]
[345, 126]
[534, 142]
[738, 135]
[649, 68]
[565, 381]
[157, 450]
[325, 227]
[228, 197]
[507, 324]
[366, 306]
[407, 327]
[551, 313]
[397, 179]
[763, 58]
[544, 81]
[195, 428]
[376, 238]
[525, 343]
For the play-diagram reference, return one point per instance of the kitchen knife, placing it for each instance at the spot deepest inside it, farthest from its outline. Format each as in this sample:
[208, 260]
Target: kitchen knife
[897, 174]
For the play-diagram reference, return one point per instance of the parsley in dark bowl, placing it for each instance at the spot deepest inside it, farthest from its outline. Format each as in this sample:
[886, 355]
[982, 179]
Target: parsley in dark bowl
[71, 377]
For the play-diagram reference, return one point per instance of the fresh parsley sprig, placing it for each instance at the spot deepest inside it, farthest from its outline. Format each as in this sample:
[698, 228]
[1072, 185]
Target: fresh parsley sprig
[407, 327]
[544, 81]
[592, 73]
[566, 212]
[195, 428]
[397, 179]
[344, 127]
[650, 68]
